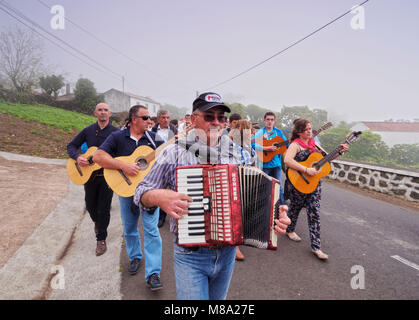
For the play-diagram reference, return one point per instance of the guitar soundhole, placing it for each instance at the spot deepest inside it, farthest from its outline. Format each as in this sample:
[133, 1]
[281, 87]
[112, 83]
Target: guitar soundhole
[316, 166]
[142, 164]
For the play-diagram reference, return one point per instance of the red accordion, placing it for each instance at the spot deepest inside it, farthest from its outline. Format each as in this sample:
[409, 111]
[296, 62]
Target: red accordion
[232, 205]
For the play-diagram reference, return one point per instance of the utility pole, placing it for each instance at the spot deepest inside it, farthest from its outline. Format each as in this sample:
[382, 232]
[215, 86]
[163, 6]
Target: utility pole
[123, 84]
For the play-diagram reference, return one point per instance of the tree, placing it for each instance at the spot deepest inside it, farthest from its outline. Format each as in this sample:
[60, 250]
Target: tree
[369, 147]
[405, 154]
[256, 113]
[20, 58]
[175, 112]
[51, 84]
[85, 95]
[317, 117]
[238, 108]
[347, 125]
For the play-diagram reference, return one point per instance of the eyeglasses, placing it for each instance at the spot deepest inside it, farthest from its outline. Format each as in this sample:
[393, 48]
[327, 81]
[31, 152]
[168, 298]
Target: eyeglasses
[210, 117]
[142, 117]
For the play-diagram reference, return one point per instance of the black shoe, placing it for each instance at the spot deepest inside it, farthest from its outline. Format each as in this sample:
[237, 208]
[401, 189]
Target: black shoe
[134, 266]
[154, 282]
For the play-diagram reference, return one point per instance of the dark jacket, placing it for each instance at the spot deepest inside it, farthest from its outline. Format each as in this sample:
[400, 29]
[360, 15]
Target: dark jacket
[172, 128]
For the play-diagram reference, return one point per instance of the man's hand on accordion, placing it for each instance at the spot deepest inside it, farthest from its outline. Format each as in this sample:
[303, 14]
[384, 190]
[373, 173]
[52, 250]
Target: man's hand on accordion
[173, 203]
[283, 221]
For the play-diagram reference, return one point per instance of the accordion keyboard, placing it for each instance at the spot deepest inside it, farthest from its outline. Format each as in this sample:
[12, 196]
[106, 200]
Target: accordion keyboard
[191, 228]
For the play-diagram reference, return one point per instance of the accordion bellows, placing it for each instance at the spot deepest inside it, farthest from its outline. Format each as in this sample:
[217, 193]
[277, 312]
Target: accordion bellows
[232, 205]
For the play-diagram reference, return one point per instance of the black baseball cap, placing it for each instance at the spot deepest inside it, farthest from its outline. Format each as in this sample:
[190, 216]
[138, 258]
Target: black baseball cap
[208, 100]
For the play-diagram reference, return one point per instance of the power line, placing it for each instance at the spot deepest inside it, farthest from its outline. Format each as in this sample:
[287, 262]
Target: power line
[43, 36]
[287, 48]
[95, 37]
[109, 46]
[21, 15]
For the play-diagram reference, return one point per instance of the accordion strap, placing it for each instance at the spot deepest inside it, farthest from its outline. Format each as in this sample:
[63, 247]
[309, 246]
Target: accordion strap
[197, 150]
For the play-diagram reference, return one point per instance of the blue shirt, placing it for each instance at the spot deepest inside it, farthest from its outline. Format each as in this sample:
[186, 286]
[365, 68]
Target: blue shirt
[120, 143]
[276, 160]
[92, 135]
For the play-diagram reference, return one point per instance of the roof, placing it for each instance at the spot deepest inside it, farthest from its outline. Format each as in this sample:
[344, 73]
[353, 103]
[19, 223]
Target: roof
[66, 97]
[392, 126]
[135, 96]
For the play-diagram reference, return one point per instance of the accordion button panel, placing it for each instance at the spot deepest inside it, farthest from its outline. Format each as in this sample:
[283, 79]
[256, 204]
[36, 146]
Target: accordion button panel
[220, 214]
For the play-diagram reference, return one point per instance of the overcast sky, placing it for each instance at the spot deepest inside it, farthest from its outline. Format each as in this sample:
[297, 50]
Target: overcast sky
[183, 46]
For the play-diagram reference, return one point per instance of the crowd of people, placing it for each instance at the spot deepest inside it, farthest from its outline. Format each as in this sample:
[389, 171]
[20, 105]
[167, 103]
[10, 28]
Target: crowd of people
[200, 272]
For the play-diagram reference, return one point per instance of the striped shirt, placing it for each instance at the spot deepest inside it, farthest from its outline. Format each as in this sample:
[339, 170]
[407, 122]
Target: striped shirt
[162, 175]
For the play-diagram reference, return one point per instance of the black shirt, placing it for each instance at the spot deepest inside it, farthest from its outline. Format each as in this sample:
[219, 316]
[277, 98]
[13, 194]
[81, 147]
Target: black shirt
[121, 144]
[93, 135]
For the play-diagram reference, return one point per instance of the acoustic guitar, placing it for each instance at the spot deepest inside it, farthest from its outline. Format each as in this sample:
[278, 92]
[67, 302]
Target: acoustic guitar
[144, 157]
[306, 183]
[315, 133]
[280, 144]
[80, 175]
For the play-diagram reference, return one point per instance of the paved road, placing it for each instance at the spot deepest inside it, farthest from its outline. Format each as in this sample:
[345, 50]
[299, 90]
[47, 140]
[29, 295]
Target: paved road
[369, 237]
[361, 236]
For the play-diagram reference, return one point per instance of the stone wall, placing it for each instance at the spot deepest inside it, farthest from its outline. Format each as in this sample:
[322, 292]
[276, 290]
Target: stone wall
[401, 183]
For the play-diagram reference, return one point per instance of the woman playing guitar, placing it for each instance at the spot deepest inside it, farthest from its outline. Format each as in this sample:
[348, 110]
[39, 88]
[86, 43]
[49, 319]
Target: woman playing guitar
[302, 145]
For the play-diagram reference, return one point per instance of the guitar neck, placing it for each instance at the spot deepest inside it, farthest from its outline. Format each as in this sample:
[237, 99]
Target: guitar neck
[330, 156]
[179, 135]
[324, 127]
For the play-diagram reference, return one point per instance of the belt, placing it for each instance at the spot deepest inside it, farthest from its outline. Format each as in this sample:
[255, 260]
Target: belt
[214, 247]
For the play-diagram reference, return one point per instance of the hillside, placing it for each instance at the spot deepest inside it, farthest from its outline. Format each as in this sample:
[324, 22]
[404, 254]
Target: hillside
[39, 130]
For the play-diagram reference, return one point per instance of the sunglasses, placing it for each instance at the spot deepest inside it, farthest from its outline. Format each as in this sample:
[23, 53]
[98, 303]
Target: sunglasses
[142, 117]
[209, 117]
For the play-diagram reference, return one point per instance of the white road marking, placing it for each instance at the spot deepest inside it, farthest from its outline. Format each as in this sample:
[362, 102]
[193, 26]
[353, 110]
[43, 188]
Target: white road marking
[406, 262]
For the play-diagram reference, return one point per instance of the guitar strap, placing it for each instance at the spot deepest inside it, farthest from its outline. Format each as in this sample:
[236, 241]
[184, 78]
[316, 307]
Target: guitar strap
[321, 149]
[151, 140]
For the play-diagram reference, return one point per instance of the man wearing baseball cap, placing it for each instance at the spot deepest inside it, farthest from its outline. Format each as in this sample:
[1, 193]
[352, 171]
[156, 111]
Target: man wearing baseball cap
[201, 273]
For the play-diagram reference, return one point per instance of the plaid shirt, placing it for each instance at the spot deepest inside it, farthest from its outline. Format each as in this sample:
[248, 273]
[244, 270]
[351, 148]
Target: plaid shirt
[162, 175]
[245, 157]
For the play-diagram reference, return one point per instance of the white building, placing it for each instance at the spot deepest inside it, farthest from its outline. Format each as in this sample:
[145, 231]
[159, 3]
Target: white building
[392, 133]
[122, 101]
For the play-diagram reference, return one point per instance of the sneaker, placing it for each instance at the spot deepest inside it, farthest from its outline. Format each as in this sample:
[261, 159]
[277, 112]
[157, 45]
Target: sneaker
[154, 282]
[100, 247]
[134, 266]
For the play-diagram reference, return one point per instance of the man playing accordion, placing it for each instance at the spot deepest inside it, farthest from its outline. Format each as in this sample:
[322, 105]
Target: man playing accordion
[201, 272]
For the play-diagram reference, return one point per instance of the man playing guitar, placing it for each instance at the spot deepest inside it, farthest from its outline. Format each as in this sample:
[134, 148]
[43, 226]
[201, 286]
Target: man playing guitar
[272, 167]
[98, 195]
[123, 143]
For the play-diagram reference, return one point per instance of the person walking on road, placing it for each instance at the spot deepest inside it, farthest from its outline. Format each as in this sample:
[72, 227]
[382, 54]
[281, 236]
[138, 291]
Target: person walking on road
[164, 131]
[98, 195]
[201, 272]
[123, 143]
[302, 145]
[268, 132]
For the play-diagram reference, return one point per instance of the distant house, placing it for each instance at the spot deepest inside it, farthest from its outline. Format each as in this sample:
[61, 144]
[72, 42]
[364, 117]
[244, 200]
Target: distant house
[392, 132]
[122, 101]
[68, 96]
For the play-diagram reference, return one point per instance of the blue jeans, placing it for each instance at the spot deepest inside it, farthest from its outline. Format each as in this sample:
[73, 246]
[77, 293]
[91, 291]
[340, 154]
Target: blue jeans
[203, 274]
[277, 174]
[152, 239]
